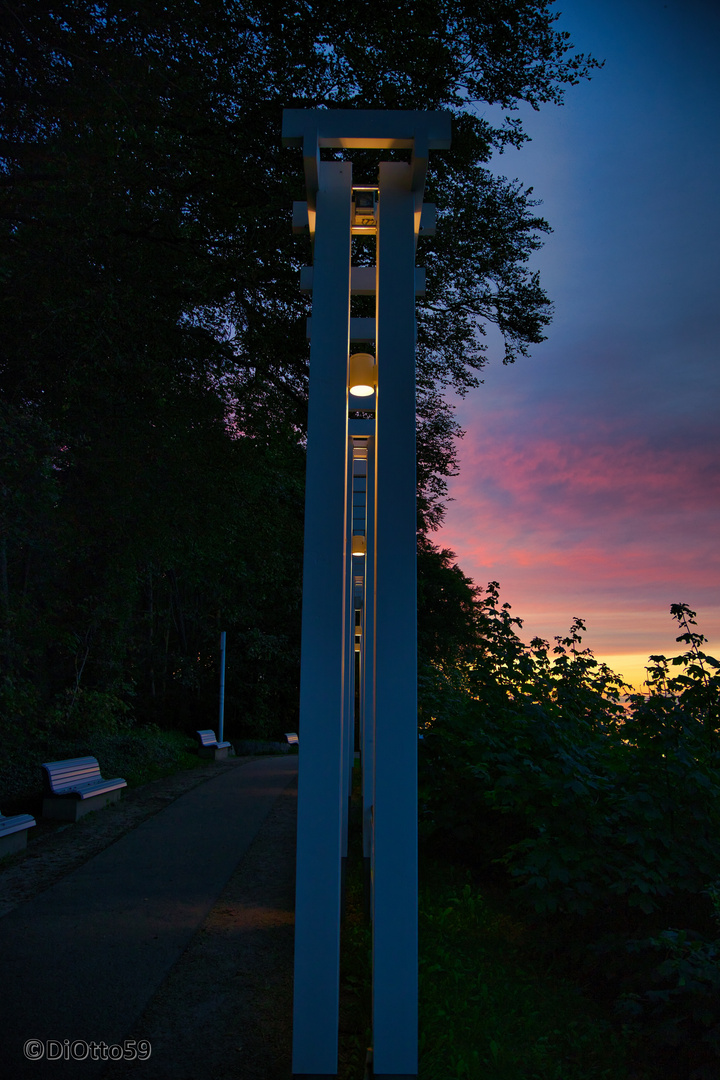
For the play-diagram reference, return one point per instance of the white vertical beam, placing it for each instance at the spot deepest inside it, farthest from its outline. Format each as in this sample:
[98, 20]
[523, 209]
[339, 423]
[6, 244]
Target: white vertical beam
[349, 639]
[317, 901]
[395, 1031]
[368, 655]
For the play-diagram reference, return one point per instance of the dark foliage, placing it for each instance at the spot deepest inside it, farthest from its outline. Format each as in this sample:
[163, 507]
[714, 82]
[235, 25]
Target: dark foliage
[601, 814]
[153, 368]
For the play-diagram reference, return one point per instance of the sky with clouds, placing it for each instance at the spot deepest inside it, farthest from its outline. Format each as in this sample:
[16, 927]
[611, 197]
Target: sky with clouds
[590, 473]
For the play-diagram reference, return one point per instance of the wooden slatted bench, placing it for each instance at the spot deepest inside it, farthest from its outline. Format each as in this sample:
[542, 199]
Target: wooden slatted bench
[209, 746]
[13, 832]
[75, 787]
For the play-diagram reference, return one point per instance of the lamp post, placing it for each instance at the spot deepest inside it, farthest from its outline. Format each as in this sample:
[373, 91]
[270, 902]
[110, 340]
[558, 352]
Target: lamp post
[391, 210]
[221, 712]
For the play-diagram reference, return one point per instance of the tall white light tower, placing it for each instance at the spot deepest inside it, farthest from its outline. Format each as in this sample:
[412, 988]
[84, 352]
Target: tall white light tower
[378, 581]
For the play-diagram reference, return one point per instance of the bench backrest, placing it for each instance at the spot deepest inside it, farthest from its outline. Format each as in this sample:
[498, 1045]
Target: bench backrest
[65, 774]
[16, 822]
[207, 738]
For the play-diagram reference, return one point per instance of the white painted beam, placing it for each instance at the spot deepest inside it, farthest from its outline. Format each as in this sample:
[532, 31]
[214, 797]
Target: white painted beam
[367, 128]
[319, 828]
[395, 957]
[362, 279]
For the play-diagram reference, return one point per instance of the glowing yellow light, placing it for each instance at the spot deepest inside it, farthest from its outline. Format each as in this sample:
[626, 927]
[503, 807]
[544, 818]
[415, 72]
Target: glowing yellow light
[362, 378]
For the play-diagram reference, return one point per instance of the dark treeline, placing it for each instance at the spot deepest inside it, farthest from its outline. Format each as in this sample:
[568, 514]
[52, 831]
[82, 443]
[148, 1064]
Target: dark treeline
[153, 367]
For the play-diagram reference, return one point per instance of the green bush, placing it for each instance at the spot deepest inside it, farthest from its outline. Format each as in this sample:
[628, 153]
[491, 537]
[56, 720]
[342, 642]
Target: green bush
[138, 754]
[678, 1009]
[603, 815]
[491, 1010]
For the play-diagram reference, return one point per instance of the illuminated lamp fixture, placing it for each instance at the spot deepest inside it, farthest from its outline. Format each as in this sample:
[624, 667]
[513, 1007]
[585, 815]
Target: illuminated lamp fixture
[359, 545]
[364, 219]
[362, 378]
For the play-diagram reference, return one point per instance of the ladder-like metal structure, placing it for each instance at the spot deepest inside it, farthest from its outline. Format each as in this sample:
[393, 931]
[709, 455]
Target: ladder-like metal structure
[360, 610]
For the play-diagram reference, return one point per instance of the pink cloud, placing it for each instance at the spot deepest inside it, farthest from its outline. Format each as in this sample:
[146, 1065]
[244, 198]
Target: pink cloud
[580, 523]
[596, 475]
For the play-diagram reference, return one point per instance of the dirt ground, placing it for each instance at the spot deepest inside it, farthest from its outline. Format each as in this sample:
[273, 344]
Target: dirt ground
[224, 1012]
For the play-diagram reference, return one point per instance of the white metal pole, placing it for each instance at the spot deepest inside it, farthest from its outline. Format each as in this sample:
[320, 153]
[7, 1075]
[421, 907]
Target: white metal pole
[349, 656]
[368, 653]
[221, 719]
[395, 956]
[319, 828]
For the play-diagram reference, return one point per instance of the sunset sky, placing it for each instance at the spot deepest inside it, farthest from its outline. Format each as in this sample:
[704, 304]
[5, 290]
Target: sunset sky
[590, 474]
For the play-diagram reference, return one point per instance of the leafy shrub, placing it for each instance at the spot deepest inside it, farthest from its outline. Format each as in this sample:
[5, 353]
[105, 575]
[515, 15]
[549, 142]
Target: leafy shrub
[601, 805]
[82, 710]
[138, 755]
[679, 1008]
[600, 811]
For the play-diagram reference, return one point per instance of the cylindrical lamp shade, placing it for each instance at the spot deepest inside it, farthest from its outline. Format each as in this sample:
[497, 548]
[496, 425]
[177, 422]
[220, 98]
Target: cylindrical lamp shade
[359, 545]
[362, 378]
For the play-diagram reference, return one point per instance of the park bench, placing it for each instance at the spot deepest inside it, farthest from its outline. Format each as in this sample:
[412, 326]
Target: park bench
[75, 787]
[209, 746]
[13, 832]
[292, 738]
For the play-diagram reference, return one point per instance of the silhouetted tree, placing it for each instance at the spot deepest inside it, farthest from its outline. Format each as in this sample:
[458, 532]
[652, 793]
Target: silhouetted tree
[153, 372]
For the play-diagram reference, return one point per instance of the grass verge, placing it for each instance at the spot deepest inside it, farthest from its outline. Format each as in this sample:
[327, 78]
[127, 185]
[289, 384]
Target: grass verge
[490, 1007]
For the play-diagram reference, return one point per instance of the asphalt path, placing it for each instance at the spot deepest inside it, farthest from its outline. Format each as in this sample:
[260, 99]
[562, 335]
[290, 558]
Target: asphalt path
[81, 961]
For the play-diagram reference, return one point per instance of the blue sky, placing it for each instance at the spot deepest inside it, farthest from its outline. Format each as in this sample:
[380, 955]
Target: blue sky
[590, 474]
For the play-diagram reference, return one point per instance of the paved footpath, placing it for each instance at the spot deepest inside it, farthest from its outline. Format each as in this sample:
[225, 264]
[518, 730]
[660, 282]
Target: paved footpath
[80, 961]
